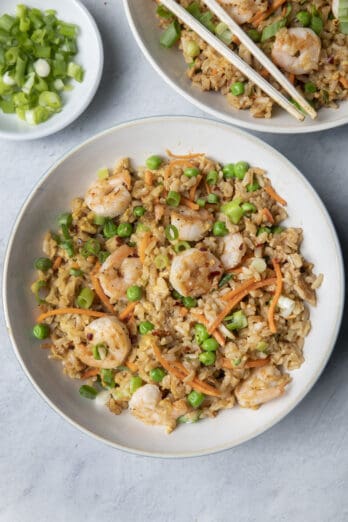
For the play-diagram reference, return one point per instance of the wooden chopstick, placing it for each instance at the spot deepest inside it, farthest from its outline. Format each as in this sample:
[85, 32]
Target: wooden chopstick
[232, 58]
[261, 57]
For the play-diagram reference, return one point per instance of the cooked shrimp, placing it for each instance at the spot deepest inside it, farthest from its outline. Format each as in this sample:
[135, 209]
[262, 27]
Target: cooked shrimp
[263, 385]
[241, 11]
[297, 50]
[146, 405]
[118, 272]
[192, 225]
[113, 335]
[109, 197]
[195, 272]
[234, 250]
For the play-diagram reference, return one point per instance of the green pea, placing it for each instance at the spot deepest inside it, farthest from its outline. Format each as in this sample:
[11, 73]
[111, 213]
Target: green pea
[153, 162]
[195, 398]
[43, 264]
[304, 18]
[145, 327]
[76, 272]
[213, 198]
[41, 331]
[189, 302]
[135, 383]
[109, 229]
[201, 333]
[212, 177]
[124, 230]
[254, 35]
[191, 172]
[240, 169]
[219, 229]
[252, 187]
[210, 345]
[228, 171]
[139, 211]
[157, 374]
[237, 88]
[201, 202]
[65, 219]
[85, 298]
[236, 362]
[207, 358]
[134, 293]
[310, 88]
[248, 207]
[173, 198]
[99, 220]
[88, 392]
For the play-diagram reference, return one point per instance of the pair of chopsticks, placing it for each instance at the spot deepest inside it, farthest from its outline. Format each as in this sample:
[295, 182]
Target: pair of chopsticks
[242, 66]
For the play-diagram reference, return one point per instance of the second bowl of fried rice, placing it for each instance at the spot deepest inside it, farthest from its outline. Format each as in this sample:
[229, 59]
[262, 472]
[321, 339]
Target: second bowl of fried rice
[305, 39]
[177, 286]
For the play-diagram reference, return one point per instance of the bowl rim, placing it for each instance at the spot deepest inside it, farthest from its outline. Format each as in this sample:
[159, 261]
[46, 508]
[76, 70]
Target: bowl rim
[56, 127]
[211, 450]
[234, 120]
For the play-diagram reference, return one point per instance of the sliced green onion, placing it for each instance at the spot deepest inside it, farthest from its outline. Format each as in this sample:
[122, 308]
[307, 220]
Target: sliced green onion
[88, 392]
[173, 198]
[180, 246]
[224, 280]
[233, 211]
[236, 321]
[85, 298]
[171, 232]
[103, 173]
[161, 261]
[171, 35]
[135, 383]
[271, 30]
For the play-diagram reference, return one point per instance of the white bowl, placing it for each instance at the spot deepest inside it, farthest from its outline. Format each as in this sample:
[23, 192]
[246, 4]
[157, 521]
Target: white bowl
[170, 64]
[52, 195]
[90, 56]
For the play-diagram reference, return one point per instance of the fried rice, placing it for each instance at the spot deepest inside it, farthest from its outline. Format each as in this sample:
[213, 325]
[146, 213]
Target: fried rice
[324, 84]
[193, 304]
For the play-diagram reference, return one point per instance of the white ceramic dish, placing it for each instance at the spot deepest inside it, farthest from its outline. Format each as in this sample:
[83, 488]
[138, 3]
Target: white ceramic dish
[90, 56]
[52, 195]
[169, 64]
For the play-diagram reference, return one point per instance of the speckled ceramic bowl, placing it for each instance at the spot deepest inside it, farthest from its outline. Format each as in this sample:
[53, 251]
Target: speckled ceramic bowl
[69, 178]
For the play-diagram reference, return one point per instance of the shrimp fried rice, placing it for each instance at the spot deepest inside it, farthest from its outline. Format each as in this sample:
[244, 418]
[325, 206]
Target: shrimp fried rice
[173, 290]
[304, 38]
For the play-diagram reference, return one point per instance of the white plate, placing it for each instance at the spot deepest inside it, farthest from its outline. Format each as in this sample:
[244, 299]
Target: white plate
[170, 64]
[68, 178]
[90, 56]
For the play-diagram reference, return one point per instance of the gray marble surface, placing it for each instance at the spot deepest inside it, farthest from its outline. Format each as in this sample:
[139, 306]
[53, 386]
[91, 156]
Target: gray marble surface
[49, 471]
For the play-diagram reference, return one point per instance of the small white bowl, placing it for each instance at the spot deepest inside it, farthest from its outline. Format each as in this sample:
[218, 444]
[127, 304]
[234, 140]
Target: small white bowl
[170, 64]
[90, 57]
[53, 195]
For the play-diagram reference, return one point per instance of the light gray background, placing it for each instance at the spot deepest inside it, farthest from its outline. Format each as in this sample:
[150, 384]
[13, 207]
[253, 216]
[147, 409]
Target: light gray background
[49, 471]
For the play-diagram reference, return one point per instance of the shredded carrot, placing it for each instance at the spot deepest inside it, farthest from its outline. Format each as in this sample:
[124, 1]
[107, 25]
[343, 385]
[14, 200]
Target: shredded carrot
[226, 363]
[127, 311]
[344, 82]
[218, 335]
[179, 163]
[257, 363]
[179, 370]
[148, 178]
[238, 289]
[183, 311]
[46, 346]
[184, 156]
[99, 291]
[207, 188]
[259, 17]
[233, 302]
[57, 263]
[190, 204]
[132, 366]
[91, 372]
[277, 294]
[264, 73]
[271, 192]
[268, 215]
[62, 311]
[144, 243]
[194, 187]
